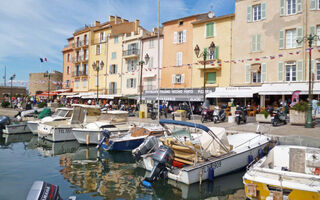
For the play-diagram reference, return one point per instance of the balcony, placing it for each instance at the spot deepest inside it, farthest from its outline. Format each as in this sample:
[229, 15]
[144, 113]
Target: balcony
[76, 59]
[131, 53]
[80, 43]
[76, 74]
[83, 73]
[210, 64]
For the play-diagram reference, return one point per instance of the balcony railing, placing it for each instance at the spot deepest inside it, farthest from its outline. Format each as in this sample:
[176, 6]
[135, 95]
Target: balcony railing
[79, 73]
[83, 73]
[131, 52]
[80, 43]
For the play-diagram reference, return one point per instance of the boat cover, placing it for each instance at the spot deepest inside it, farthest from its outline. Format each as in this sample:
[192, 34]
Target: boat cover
[210, 146]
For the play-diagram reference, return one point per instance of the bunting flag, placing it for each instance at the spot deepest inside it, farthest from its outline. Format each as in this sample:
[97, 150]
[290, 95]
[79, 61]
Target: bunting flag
[272, 57]
[43, 59]
[280, 55]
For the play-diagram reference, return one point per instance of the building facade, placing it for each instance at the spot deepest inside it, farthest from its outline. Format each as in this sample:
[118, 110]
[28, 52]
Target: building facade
[68, 66]
[39, 82]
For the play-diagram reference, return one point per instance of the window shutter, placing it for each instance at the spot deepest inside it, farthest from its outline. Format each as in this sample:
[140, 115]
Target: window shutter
[184, 35]
[95, 49]
[180, 58]
[247, 73]
[177, 58]
[128, 83]
[281, 39]
[175, 37]
[263, 72]
[280, 71]
[134, 83]
[258, 37]
[182, 78]
[249, 15]
[299, 70]
[173, 79]
[313, 4]
[253, 43]
[216, 53]
[115, 68]
[134, 65]
[299, 6]
[299, 36]
[110, 89]
[115, 88]
[214, 30]
[110, 69]
[282, 10]
[313, 32]
[263, 10]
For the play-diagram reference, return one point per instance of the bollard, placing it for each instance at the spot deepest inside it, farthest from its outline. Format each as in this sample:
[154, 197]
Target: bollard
[211, 174]
[88, 139]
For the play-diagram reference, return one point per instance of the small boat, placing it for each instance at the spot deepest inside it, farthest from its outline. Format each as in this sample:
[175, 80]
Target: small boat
[58, 131]
[133, 139]
[16, 128]
[115, 121]
[193, 152]
[60, 114]
[287, 172]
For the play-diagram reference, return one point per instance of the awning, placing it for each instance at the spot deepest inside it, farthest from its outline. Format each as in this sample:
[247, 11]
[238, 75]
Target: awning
[103, 96]
[233, 92]
[255, 68]
[149, 75]
[67, 93]
[45, 94]
[287, 88]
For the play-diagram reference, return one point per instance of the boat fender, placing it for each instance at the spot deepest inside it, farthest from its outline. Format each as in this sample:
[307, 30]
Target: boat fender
[146, 184]
[211, 174]
[250, 159]
[260, 152]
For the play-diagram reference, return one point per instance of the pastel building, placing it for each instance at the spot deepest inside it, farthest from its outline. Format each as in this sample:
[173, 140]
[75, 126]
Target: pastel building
[68, 66]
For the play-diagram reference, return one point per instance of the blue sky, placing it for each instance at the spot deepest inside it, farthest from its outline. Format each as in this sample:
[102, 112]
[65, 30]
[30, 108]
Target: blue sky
[30, 29]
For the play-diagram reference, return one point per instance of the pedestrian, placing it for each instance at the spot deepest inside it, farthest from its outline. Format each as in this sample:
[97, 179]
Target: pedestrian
[314, 108]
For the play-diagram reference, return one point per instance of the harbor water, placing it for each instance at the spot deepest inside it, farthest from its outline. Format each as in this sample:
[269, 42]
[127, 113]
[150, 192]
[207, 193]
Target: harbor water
[88, 173]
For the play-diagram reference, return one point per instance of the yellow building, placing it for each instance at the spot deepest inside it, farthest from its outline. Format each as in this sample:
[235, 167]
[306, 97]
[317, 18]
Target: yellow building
[218, 30]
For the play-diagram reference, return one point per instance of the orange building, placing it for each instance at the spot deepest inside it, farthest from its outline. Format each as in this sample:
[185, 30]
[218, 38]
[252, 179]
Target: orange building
[178, 52]
[68, 54]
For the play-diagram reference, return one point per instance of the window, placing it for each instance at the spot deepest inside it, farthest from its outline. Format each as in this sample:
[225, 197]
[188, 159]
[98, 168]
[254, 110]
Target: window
[131, 83]
[291, 7]
[210, 29]
[180, 37]
[151, 43]
[150, 65]
[68, 70]
[291, 71]
[256, 77]
[77, 83]
[211, 78]
[179, 59]
[180, 23]
[86, 53]
[255, 43]
[256, 12]
[318, 69]
[149, 84]
[115, 40]
[84, 70]
[319, 4]
[98, 49]
[132, 65]
[114, 55]
[68, 83]
[113, 69]
[68, 57]
[178, 78]
[113, 88]
[84, 83]
[291, 38]
[102, 37]
[318, 33]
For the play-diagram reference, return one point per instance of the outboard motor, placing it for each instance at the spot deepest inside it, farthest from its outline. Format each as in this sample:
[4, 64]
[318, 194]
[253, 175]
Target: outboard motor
[150, 144]
[162, 158]
[4, 120]
[106, 135]
[41, 190]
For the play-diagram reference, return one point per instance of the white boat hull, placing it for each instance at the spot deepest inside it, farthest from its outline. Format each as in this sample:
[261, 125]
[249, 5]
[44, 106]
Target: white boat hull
[16, 129]
[55, 134]
[33, 126]
[84, 136]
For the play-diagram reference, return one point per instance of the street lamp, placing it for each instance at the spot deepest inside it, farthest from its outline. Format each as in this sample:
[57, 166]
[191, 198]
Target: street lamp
[11, 79]
[97, 67]
[146, 58]
[309, 38]
[47, 74]
[204, 54]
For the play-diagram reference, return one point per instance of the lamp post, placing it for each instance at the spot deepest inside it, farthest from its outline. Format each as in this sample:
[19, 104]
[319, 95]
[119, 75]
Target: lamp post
[11, 79]
[309, 38]
[204, 54]
[47, 74]
[141, 63]
[97, 67]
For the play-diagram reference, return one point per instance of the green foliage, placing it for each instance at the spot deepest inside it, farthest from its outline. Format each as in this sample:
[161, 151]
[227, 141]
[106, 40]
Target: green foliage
[41, 104]
[265, 113]
[60, 105]
[5, 104]
[302, 106]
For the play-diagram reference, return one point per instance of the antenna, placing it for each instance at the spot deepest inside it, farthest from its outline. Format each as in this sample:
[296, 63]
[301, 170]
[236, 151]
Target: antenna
[210, 13]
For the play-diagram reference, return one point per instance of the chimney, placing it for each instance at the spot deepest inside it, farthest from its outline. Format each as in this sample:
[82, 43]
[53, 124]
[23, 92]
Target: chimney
[118, 20]
[136, 25]
[111, 18]
[96, 23]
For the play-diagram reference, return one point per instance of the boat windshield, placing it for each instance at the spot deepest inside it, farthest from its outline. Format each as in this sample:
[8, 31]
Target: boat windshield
[114, 118]
[179, 132]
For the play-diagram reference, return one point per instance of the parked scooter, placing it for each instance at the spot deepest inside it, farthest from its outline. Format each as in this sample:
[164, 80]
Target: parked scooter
[278, 117]
[219, 115]
[206, 115]
[241, 115]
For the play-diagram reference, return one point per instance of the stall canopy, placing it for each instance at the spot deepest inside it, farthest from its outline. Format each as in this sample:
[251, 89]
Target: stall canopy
[45, 94]
[233, 92]
[287, 88]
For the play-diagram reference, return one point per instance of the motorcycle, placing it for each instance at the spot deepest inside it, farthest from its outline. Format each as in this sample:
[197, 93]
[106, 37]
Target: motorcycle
[219, 115]
[185, 107]
[241, 115]
[278, 117]
[206, 115]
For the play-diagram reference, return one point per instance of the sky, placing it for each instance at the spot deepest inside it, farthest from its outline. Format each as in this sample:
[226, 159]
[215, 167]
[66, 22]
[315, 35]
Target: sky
[34, 29]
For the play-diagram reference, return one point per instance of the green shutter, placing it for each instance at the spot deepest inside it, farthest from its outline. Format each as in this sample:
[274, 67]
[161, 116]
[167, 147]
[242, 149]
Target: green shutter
[211, 78]
[209, 30]
[282, 10]
[216, 53]
[247, 73]
[115, 69]
[313, 32]
[254, 43]
[115, 88]
[280, 71]
[313, 4]
[249, 13]
[263, 72]
[258, 37]
[263, 10]
[299, 36]
[312, 68]
[299, 70]
[281, 39]
[299, 6]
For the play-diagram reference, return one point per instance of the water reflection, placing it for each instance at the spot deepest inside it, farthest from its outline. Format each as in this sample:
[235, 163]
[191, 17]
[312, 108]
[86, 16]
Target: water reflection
[47, 148]
[8, 139]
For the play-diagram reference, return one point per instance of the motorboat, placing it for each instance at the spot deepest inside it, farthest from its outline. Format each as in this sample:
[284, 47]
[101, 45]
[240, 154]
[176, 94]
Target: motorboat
[193, 152]
[136, 135]
[57, 131]
[60, 114]
[115, 121]
[287, 172]
[16, 128]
